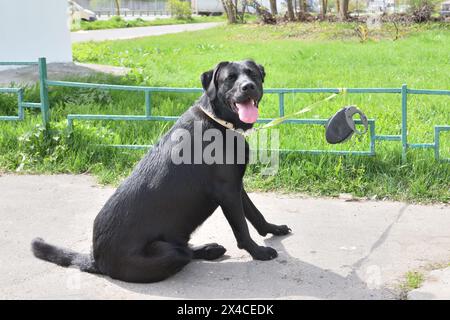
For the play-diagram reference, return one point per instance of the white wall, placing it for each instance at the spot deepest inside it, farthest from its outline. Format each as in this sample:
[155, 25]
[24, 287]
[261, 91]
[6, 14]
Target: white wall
[216, 5]
[207, 6]
[30, 29]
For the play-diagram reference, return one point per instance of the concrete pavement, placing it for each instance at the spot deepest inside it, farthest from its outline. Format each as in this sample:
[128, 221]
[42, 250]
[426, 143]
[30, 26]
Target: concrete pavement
[338, 249]
[436, 286]
[129, 33]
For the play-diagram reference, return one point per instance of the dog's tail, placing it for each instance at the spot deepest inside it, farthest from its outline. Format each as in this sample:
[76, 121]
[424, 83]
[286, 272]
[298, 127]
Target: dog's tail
[63, 257]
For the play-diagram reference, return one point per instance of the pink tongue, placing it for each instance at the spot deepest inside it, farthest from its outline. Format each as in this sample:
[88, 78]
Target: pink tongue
[248, 113]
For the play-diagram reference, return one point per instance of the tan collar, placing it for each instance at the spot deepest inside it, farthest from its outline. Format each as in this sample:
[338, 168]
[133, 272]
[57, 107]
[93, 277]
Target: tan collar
[226, 124]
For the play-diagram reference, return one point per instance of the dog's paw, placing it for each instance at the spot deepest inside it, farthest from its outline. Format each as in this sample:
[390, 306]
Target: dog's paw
[264, 253]
[279, 230]
[214, 251]
[210, 251]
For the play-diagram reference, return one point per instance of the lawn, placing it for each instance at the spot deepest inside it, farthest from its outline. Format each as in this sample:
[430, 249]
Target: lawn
[294, 55]
[117, 22]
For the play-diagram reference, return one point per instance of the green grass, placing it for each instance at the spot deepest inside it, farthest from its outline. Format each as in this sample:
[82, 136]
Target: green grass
[414, 279]
[294, 55]
[118, 22]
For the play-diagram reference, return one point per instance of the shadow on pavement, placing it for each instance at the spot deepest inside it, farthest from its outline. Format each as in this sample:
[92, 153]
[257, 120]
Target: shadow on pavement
[284, 277]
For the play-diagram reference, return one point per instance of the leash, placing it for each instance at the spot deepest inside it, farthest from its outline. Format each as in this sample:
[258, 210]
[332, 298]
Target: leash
[275, 121]
[339, 128]
[280, 120]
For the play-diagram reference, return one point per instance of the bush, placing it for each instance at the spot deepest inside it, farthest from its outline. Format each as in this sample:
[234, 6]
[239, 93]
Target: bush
[421, 10]
[39, 145]
[117, 19]
[8, 104]
[180, 9]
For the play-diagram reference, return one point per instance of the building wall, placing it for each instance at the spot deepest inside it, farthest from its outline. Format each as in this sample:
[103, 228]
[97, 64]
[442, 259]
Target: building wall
[216, 5]
[381, 6]
[108, 5]
[30, 29]
[213, 6]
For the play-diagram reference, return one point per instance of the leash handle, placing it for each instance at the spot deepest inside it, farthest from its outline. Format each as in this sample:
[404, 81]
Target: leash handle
[349, 113]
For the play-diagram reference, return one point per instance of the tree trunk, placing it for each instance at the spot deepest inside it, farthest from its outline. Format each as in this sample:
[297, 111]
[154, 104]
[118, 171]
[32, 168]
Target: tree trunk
[264, 14]
[230, 11]
[273, 7]
[303, 6]
[117, 5]
[338, 6]
[241, 15]
[323, 10]
[301, 14]
[343, 12]
[290, 10]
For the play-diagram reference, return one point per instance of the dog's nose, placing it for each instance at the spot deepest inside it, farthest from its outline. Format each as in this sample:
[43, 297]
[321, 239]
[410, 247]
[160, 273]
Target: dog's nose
[247, 86]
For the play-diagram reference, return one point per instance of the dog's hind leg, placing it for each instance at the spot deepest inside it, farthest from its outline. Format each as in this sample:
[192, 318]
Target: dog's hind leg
[210, 251]
[159, 261]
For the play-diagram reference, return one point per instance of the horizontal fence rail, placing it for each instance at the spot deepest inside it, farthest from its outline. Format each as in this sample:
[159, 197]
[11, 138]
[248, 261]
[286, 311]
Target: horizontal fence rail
[404, 91]
[18, 63]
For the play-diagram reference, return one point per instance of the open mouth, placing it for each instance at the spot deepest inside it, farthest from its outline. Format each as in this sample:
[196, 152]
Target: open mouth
[247, 110]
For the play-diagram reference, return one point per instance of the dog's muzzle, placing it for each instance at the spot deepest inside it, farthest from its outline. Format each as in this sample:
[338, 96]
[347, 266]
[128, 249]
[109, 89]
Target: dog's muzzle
[341, 126]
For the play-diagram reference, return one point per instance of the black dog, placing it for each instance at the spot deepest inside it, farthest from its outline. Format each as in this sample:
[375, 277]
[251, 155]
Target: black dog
[142, 232]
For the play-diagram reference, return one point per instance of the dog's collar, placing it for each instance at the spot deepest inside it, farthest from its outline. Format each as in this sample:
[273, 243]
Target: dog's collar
[226, 124]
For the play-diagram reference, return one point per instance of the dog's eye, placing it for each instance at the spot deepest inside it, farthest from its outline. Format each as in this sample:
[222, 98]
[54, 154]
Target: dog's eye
[250, 73]
[231, 77]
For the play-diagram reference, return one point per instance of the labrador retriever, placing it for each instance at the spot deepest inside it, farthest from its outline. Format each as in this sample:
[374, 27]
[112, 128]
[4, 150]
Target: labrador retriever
[142, 232]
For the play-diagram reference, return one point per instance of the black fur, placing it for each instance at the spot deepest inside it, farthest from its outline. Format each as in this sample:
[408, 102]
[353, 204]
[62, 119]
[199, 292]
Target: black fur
[63, 257]
[142, 232]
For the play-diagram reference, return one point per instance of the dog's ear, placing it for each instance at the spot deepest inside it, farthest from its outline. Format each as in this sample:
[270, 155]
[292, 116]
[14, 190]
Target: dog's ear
[259, 67]
[262, 71]
[209, 80]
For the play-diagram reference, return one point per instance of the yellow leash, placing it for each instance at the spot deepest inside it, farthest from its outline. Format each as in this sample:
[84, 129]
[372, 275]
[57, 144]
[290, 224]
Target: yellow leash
[275, 121]
[279, 120]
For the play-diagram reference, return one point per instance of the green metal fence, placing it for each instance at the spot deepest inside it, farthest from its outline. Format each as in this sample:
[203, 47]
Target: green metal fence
[43, 105]
[404, 91]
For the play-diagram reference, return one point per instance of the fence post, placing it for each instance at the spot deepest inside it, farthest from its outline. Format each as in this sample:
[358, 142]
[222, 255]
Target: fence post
[404, 121]
[436, 143]
[45, 110]
[19, 102]
[281, 104]
[148, 106]
[372, 138]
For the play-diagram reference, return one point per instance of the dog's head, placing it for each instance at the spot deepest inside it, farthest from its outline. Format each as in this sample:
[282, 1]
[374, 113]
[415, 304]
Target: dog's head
[234, 90]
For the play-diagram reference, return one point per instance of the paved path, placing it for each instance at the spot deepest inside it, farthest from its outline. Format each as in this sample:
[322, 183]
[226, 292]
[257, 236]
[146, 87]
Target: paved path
[435, 286]
[129, 33]
[338, 249]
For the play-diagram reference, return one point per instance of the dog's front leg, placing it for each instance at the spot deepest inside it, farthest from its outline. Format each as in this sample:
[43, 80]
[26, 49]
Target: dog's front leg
[257, 219]
[232, 206]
